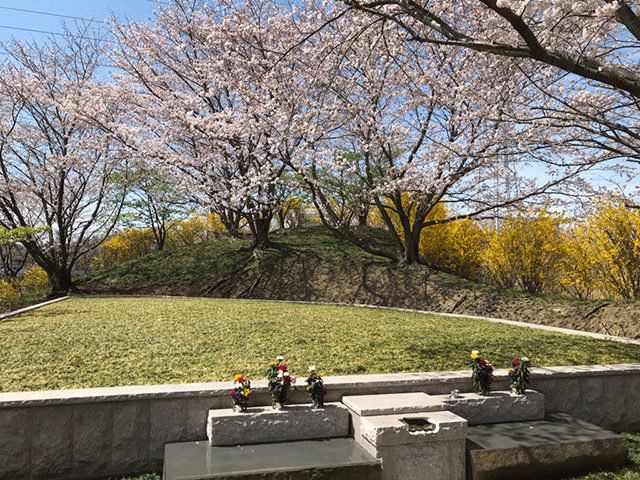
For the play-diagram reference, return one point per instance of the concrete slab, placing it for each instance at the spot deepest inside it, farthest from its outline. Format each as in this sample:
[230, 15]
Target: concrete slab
[408, 453]
[497, 407]
[264, 424]
[390, 404]
[318, 459]
[557, 446]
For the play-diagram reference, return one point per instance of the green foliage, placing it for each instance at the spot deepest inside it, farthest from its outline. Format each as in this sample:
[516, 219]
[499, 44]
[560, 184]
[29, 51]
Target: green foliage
[280, 382]
[20, 234]
[481, 374]
[519, 375]
[316, 387]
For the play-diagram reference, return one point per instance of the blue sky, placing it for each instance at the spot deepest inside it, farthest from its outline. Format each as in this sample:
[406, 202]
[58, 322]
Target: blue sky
[48, 15]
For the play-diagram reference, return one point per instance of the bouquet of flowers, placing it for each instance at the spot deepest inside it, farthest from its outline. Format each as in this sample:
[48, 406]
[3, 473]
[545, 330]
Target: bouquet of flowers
[240, 393]
[519, 375]
[316, 387]
[482, 373]
[280, 383]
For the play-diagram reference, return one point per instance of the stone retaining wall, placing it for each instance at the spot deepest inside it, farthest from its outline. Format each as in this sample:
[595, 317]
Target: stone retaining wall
[106, 432]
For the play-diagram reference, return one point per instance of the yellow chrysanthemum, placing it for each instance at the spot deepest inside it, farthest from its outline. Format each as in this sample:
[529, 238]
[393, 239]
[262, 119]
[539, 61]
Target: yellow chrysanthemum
[238, 376]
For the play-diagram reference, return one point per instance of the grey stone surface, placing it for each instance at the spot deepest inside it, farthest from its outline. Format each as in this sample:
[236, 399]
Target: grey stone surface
[434, 461]
[168, 420]
[52, 441]
[389, 404]
[132, 443]
[386, 430]
[339, 458]
[15, 442]
[131, 436]
[263, 424]
[541, 448]
[92, 437]
[437, 454]
[497, 407]
[196, 420]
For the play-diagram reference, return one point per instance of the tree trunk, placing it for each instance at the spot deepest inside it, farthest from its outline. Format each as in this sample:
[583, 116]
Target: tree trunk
[60, 280]
[260, 224]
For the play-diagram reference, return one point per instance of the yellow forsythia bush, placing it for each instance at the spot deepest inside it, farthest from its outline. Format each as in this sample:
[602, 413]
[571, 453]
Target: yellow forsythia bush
[454, 247]
[195, 229]
[528, 251]
[136, 242]
[7, 289]
[35, 279]
[611, 238]
[124, 246]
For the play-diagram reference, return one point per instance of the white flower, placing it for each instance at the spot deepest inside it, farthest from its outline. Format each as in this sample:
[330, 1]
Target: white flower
[286, 374]
[312, 368]
[280, 373]
[475, 352]
[525, 359]
[279, 358]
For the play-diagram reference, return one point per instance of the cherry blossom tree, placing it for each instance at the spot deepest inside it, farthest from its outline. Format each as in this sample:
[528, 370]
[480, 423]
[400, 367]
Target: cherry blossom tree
[429, 125]
[588, 80]
[54, 167]
[206, 98]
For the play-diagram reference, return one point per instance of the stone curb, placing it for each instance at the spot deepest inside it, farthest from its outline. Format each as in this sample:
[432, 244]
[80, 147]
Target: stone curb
[379, 383]
[32, 307]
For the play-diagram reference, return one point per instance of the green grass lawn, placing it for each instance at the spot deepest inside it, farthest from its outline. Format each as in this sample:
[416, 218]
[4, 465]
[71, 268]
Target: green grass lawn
[100, 342]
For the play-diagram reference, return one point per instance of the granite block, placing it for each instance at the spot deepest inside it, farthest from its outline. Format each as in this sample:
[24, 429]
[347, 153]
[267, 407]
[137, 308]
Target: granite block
[52, 441]
[264, 424]
[558, 445]
[406, 454]
[131, 436]
[387, 430]
[168, 423]
[92, 425]
[436, 461]
[389, 404]
[497, 407]
[15, 442]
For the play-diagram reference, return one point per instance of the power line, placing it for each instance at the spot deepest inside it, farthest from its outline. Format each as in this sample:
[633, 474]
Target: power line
[50, 14]
[33, 30]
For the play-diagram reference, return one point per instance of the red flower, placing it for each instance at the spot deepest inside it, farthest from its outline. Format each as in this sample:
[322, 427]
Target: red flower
[515, 363]
[482, 363]
[282, 368]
